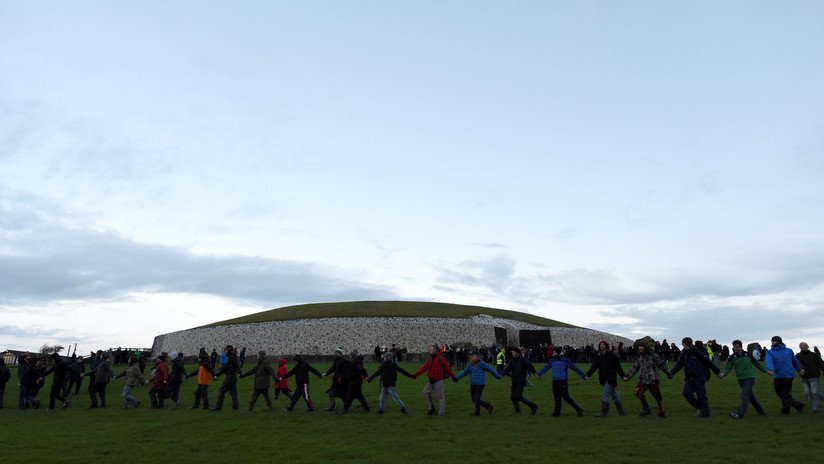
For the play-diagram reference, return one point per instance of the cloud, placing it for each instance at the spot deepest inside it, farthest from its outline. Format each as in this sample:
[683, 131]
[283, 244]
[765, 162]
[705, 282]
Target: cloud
[494, 273]
[46, 257]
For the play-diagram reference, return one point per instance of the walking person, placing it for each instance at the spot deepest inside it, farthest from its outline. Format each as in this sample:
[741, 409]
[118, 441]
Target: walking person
[560, 366]
[477, 369]
[694, 361]
[133, 378]
[176, 378]
[29, 379]
[437, 370]
[76, 371]
[608, 365]
[743, 363]
[282, 385]
[301, 371]
[160, 375]
[648, 363]
[388, 372]
[213, 359]
[205, 373]
[263, 373]
[353, 380]
[517, 369]
[812, 366]
[780, 364]
[242, 357]
[102, 375]
[337, 369]
[5, 376]
[231, 368]
[61, 373]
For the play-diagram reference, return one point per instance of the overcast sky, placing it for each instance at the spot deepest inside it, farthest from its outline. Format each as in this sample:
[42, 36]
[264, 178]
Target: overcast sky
[641, 168]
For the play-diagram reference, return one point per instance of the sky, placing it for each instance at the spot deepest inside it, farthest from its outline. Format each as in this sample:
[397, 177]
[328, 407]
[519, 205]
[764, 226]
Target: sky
[643, 168]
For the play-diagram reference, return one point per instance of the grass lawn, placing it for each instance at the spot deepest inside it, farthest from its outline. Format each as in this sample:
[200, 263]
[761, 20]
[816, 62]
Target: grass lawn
[144, 435]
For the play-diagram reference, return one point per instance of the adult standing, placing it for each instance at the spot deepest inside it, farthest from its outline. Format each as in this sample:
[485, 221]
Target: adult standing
[213, 359]
[242, 357]
[301, 371]
[353, 379]
[517, 369]
[500, 359]
[388, 372]
[694, 361]
[133, 378]
[160, 375]
[76, 371]
[231, 369]
[5, 375]
[61, 372]
[263, 373]
[102, 375]
[437, 370]
[336, 369]
[812, 366]
[648, 363]
[608, 365]
[743, 363]
[27, 372]
[176, 378]
[780, 364]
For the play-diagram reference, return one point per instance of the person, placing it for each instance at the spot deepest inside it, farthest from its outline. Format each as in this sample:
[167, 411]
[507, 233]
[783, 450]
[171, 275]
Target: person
[282, 385]
[743, 363]
[242, 358]
[560, 365]
[61, 372]
[102, 375]
[205, 373]
[76, 371]
[301, 371]
[133, 378]
[5, 376]
[812, 365]
[388, 372]
[337, 369]
[27, 373]
[518, 368]
[694, 361]
[263, 372]
[224, 358]
[176, 378]
[477, 369]
[648, 363]
[500, 359]
[231, 368]
[353, 383]
[780, 365]
[437, 370]
[160, 375]
[213, 359]
[608, 365]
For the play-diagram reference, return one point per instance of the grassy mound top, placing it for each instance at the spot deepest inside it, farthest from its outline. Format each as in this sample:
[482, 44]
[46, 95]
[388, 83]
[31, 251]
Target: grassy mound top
[385, 309]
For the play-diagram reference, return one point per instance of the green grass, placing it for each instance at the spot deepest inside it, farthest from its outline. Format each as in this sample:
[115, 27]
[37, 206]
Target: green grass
[144, 435]
[386, 309]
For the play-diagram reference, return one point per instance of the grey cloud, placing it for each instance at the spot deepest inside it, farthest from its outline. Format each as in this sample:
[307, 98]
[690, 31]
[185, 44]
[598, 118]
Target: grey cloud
[492, 245]
[27, 332]
[494, 273]
[48, 260]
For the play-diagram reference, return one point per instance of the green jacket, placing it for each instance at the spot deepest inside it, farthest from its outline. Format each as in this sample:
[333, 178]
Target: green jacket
[743, 363]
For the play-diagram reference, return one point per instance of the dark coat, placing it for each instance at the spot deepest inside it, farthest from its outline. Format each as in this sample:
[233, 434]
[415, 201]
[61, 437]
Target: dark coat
[389, 374]
[518, 368]
[608, 366]
[301, 372]
[232, 367]
[811, 363]
[694, 362]
[178, 373]
[60, 370]
[263, 372]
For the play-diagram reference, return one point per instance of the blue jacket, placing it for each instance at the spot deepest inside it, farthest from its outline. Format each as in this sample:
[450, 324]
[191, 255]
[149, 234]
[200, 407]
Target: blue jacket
[694, 362]
[559, 367]
[782, 361]
[477, 373]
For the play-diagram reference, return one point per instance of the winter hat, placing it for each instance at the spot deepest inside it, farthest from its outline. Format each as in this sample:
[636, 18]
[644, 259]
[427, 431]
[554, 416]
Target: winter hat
[338, 351]
[687, 341]
[605, 342]
[777, 339]
[282, 361]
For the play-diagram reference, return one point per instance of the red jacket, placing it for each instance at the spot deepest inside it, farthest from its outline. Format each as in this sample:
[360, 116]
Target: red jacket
[282, 371]
[160, 376]
[436, 368]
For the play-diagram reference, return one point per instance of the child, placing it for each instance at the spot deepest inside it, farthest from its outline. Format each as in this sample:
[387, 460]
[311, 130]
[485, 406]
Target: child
[477, 370]
[205, 373]
[560, 364]
[282, 385]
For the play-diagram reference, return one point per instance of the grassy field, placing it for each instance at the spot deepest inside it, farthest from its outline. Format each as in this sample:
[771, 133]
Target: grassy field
[386, 309]
[144, 435]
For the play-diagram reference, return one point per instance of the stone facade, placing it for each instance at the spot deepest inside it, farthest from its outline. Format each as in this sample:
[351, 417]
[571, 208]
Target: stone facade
[322, 336]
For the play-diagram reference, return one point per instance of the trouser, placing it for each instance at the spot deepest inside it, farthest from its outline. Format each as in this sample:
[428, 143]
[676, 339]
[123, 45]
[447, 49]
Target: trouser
[516, 394]
[92, 379]
[127, 395]
[392, 392]
[2, 393]
[26, 398]
[475, 391]
[56, 394]
[98, 390]
[286, 392]
[560, 390]
[784, 388]
[201, 393]
[695, 392]
[655, 390]
[229, 386]
[173, 391]
[302, 391]
[436, 387]
[747, 398]
[609, 392]
[354, 391]
[156, 398]
[811, 389]
[256, 394]
[76, 384]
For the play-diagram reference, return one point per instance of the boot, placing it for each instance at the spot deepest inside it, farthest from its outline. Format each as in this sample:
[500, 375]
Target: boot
[604, 409]
[404, 412]
[331, 404]
[645, 410]
[620, 408]
[661, 409]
